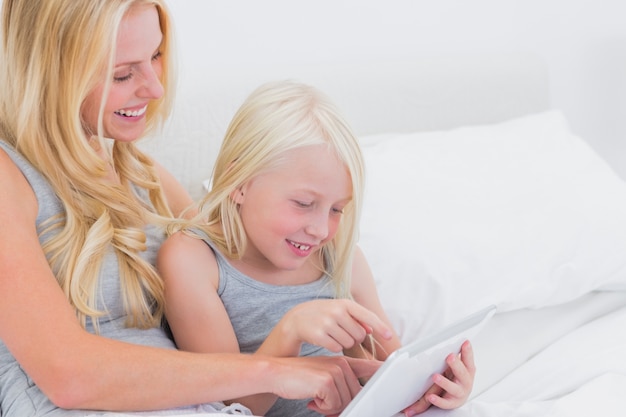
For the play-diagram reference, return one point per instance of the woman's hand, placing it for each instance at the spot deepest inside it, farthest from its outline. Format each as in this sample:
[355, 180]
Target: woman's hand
[332, 324]
[331, 382]
[452, 388]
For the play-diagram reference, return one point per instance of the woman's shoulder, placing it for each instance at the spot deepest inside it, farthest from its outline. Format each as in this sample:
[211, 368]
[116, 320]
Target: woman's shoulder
[177, 196]
[13, 183]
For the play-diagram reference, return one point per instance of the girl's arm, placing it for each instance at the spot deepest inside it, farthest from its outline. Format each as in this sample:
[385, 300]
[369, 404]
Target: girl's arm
[449, 390]
[194, 311]
[333, 324]
[364, 291]
[76, 369]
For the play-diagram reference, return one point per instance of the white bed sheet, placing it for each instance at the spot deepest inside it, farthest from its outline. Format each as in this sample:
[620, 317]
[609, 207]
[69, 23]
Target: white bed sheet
[576, 363]
[512, 338]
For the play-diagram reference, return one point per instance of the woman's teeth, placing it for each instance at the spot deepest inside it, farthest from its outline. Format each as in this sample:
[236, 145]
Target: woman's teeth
[134, 113]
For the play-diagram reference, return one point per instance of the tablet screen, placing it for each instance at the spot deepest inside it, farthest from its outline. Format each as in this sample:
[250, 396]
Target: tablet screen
[407, 373]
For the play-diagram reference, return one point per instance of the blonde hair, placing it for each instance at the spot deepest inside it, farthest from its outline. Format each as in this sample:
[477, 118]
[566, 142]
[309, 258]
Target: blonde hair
[275, 118]
[53, 54]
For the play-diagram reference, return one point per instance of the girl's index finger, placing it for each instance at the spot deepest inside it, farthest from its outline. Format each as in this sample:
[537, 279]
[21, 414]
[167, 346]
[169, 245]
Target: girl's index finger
[370, 322]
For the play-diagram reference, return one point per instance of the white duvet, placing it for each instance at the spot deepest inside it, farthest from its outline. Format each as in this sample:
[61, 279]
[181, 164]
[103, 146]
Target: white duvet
[582, 374]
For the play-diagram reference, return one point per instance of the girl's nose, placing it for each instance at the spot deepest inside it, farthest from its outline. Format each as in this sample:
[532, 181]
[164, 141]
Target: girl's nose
[318, 225]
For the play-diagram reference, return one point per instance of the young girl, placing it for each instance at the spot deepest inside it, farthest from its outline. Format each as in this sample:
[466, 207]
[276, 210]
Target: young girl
[271, 265]
[82, 214]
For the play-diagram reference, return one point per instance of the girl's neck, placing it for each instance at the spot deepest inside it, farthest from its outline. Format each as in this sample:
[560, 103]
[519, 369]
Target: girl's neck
[309, 272]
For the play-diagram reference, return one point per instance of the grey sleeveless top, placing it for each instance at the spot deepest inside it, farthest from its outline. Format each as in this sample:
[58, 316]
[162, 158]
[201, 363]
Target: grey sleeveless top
[19, 396]
[254, 308]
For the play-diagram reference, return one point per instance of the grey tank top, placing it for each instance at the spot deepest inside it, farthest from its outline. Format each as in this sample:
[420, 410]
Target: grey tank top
[19, 396]
[254, 308]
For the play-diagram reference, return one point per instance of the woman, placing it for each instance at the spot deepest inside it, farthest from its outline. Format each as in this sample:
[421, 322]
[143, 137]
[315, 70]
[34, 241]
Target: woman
[82, 212]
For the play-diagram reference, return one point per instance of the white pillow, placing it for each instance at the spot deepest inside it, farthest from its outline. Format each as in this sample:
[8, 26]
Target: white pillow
[518, 214]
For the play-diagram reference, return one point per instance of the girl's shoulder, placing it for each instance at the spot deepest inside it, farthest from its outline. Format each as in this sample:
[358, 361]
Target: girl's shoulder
[186, 244]
[187, 254]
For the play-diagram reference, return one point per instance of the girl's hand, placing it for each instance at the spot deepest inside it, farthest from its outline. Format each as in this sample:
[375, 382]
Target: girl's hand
[452, 388]
[332, 324]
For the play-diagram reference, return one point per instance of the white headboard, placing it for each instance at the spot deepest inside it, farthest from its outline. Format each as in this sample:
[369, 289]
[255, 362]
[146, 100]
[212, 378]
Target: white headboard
[430, 93]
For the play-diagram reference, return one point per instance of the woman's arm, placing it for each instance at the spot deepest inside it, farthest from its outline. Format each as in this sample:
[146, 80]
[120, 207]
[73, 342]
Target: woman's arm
[76, 369]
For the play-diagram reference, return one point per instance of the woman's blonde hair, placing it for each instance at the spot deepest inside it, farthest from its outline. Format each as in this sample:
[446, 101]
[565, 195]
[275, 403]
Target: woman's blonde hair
[53, 54]
[275, 118]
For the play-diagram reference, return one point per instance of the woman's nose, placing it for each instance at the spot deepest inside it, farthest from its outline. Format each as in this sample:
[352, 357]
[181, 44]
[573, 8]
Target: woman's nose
[151, 86]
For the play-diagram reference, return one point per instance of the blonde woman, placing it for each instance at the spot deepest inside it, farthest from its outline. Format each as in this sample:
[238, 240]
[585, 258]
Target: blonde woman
[271, 264]
[82, 214]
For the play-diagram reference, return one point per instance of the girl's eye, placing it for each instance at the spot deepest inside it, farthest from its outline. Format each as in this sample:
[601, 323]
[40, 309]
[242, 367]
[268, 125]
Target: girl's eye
[156, 56]
[302, 204]
[337, 210]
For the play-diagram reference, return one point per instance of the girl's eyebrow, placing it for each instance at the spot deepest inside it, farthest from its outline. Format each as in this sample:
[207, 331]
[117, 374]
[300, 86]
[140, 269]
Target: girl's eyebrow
[344, 200]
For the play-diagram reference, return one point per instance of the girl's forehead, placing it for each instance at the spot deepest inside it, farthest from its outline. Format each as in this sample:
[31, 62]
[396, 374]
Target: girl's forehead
[311, 153]
[316, 167]
[305, 160]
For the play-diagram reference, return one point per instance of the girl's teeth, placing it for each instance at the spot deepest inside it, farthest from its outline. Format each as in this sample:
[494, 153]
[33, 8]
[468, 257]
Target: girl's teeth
[301, 247]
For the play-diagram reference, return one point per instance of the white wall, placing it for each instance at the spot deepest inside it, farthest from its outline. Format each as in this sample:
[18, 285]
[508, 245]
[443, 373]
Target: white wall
[582, 41]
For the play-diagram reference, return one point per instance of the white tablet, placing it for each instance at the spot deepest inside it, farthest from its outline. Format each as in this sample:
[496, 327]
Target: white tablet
[406, 374]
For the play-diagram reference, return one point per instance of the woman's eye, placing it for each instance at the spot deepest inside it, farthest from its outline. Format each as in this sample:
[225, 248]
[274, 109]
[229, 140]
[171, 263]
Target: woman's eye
[122, 78]
[302, 204]
[156, 56]
[337, 210]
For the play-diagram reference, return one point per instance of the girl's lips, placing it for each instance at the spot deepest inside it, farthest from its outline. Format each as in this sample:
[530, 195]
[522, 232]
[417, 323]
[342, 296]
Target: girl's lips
[300, 249]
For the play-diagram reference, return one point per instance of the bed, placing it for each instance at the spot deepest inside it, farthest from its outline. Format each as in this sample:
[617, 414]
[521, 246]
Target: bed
[477, 193]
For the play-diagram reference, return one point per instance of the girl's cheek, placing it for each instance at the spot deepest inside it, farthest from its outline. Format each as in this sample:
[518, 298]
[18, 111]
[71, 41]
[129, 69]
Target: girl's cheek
[332, 228]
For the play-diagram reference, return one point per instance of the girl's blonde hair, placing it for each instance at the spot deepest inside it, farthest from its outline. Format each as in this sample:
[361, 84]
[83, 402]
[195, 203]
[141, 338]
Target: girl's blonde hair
[275, 118]
[53, 54]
